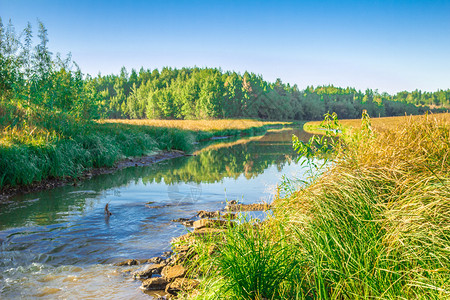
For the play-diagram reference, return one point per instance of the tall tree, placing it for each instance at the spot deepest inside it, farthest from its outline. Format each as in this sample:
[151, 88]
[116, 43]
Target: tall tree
[26, 50]
[42, 55]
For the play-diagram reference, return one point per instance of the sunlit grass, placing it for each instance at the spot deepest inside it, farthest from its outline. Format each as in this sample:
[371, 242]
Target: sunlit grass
[226, 144]
[36, 144]
[375, 225]
[199, 125]
[384, 123]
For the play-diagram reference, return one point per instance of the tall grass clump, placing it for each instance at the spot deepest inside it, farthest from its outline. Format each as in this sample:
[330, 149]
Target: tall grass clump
[374, 225]
[249, 263]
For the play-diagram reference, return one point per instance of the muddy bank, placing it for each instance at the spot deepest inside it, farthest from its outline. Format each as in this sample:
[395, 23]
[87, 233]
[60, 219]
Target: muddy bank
[51, 183]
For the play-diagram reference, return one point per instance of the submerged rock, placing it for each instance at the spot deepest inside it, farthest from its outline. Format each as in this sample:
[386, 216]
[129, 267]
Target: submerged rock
[180, 220]
[157, 283]
[207, 214]
[158, 294]
[167, 253]
[128, 262]
[155, 260]
[189, 223]
[148, 272]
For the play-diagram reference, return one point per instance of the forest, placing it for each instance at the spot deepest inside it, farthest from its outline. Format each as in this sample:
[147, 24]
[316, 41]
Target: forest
[34, 80]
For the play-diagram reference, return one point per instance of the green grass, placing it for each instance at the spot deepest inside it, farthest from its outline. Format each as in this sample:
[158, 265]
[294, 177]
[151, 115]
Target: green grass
[375, 225]
[96, 146]
[245, 262]
[36, 144]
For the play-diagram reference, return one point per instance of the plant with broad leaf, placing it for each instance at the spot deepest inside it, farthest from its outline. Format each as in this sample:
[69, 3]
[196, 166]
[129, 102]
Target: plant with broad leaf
[319, 148]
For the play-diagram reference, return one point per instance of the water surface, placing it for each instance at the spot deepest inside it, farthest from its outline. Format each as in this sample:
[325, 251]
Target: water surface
[57, 244]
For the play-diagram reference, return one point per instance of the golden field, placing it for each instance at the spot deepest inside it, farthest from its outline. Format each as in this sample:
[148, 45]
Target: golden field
[198, 125]
[379, 124]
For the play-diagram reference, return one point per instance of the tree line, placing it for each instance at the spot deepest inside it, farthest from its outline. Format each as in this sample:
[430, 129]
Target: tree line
[199, 93]
[33, 78]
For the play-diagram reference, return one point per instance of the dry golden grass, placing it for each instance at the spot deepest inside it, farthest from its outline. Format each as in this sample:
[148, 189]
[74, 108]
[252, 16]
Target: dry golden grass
[240, 141]
[376, 224]
[379, 124]
[198, 125]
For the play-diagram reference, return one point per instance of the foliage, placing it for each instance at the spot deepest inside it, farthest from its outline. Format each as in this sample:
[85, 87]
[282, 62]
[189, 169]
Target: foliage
[379, 205]
[320, 145]
[316, 152]
[205, 93]
[374, 226]
[249, 263]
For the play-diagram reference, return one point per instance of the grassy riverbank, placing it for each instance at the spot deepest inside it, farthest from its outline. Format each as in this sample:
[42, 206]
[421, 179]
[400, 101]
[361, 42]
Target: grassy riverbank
[375, 225]
[380, 124]
[56, 145]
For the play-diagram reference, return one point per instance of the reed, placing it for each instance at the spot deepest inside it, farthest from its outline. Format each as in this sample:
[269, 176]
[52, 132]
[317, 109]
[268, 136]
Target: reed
[374, 225]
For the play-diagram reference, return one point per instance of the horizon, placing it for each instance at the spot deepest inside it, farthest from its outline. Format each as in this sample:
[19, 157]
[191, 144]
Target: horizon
[384, 46]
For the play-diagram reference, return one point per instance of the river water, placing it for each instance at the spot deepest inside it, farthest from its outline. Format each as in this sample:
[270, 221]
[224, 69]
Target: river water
[57, 244]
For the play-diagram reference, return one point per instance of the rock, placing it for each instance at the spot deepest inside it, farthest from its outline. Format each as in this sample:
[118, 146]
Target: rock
[165, 297]
[128, 262]
[148, 272]
[155, 260]
[157, 283]
[142, 261]
[188, 223]
[47, 291]
[170, 260]
[247, 207]
[167, 253]
[207, 214]
[180, 220]
[127, 271]
[182, 248]
[158, 294]
[170, 273]
[181, 284]
[232, 202]
[208, 223]
[186, 254]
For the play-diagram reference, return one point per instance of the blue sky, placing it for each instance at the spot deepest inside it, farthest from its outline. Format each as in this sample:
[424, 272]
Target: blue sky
[385, 45]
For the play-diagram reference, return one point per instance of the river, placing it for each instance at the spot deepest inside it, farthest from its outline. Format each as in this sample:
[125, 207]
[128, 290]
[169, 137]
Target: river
[57, 244]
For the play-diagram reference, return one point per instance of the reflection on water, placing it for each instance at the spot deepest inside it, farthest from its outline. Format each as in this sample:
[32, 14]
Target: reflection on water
[58, 244]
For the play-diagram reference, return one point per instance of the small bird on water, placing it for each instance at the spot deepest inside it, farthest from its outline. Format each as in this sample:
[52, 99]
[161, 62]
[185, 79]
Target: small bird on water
[107, 212]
